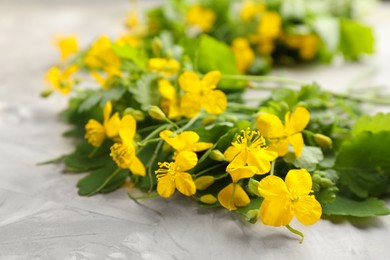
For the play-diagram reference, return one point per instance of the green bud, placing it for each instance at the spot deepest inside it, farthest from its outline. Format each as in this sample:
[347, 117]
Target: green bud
[156, 46]
[217, 155]
[46, 92]
[137, 114]
[156, 113]
[323, 141]
[203, 182]
[208, 199]
[316, 178]
[252, 215]
[253, 187]
[325, 182]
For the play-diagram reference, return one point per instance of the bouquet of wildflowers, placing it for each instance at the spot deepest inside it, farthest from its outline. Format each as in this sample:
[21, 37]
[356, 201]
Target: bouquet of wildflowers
[169, 113]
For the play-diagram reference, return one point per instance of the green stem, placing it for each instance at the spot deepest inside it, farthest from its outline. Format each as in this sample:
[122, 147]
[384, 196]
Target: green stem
[241, 107]
[272, 167]
[264, 78]
[207, 170]
[231, 199]
[169, 121]
[151, 162]
[376, 101]
[105, 182]
[92, 154]
[189, 123]
[150, 141]
[296, 232]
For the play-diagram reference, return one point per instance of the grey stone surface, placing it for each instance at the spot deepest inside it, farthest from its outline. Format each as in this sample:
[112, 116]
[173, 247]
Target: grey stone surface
[41, 215]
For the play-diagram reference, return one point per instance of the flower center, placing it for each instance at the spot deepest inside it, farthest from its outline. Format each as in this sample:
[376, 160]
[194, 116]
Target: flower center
[122, 155]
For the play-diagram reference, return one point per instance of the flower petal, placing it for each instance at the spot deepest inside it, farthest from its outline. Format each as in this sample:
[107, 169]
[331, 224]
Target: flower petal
[298, 120]
[241, 199]
[280, 146]
[201, 146]
[127, 129]
[214, 102]
[241, 172]
[275, 212]
[308, 210]
[257, 160]
[111, 126]
[189, 82]
[107, 110]
[137, 167]
[270, 126]
[166, 89]
[185, 184]
[186, 160]
[190, 104]
[299, 182]
[172, 139]
[273, 188]
[188, 138]
[231, 152]
[231, 201]
[296, 141]
[165, 186]
[211, 79]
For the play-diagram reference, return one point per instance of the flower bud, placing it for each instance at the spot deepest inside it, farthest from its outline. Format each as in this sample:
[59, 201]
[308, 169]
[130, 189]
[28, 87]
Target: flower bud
[137, 114]
[156, 46]
[217, 155]
[156, 113]
[208, 199]
[253, 187]
[203, 182]
[252, 215]
[323, 141]
[46, 92]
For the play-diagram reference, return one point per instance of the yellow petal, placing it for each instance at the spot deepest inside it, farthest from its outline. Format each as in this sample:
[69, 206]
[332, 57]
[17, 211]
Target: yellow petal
[204, 182]
[214, 102]
[127, 129]
[231, 201]
[296, 141]
[275, 212]
[241, 172]
[273, 188]
[53, 75]
[170, 138]
[166, 89]
[189, 82]
[165, 186]
[270, 126]
[231, 152]
[188, 138]
[211, 79]
[185, 161]
[94, 132]
[111, 126]
[299, 182]
[257, 160]
[107, 110]
[137, 167]
[280, 146]
[298, 120]
[190, 104]
[201, 146]
[69, 71]
[185, 184]
[308, 210]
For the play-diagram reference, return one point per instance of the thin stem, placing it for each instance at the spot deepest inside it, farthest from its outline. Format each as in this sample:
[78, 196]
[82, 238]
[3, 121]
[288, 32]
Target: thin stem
[151, 162]
[296, 232]
[189, 123]
[376, 101]
[105, 182]
[207, 170]
[150, 141]
[231, 199]
[92, 154]
[272, 167]
[264, 78]
[169, 121]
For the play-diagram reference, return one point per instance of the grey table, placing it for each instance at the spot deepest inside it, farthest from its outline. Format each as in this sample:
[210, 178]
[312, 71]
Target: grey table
[41, 215]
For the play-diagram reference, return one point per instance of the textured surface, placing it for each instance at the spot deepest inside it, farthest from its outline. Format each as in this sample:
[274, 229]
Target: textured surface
[41, 215]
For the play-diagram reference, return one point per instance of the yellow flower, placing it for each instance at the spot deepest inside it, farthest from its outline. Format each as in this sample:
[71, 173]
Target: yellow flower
[243, 53]
[200, 17]
[124, 154]
[250, 149]
[283, 200]
[97, 132]
[170, 103]
[233, 196]
[307, 44]
[105, 79]
[250, 9]
[131, 40]
[61, 80]
[281, 135]
[173, 175]
[132, 20]
[167, 67]
[101, 56]
[67, 46]
[270, 25]
[185, 141]
[201, 93]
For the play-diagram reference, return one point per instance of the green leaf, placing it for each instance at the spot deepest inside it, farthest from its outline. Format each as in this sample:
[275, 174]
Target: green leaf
[216, 55]
[363, 164]
[374, 124]
[346, 207]
[94, 181]
[80, 160]
[134, 54]
[355, 39]
[101, 98]
[145, 91]
[309, 158]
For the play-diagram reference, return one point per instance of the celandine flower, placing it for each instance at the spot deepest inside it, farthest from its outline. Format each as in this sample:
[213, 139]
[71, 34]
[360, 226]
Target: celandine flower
[170, 104]
[173, 175]
[61, 80]
[67, 46]
[167, 67]
[124, 153]
[200, 17]
[250, 9]
[201, 93]
[281, 135]
[97, 132]
[243, 53]
[185, 141]
[283, 200]
[250, 149]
